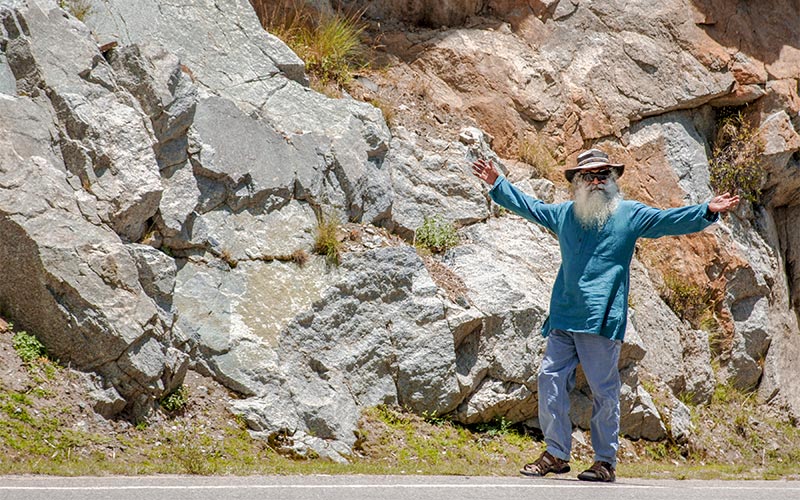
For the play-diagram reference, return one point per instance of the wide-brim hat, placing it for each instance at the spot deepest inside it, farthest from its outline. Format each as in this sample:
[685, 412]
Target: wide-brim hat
[592, 158]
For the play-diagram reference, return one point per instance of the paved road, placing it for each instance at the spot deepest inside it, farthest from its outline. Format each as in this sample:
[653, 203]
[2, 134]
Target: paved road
[383, 488]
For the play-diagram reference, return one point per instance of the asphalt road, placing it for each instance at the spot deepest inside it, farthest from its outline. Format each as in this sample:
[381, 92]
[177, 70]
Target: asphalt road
[382, 488]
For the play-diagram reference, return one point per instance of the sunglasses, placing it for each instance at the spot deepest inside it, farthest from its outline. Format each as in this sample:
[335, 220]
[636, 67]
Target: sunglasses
[600, 175]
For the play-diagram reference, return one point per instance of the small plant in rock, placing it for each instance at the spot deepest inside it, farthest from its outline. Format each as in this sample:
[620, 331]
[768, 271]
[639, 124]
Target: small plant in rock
[532, 151]
[689, 301]
[329, 44]
[326, 239]
[386, 109]
[175, 400]
[736, 162]
[436, 235]
[498, 426]
[28, 347]
[80, 9]
[299, 257]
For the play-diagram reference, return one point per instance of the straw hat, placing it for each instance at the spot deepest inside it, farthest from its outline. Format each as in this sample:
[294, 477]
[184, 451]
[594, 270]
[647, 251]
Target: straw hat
[592, 158]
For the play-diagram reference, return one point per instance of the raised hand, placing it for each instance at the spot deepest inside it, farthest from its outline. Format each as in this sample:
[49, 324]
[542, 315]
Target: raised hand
[485, 171]
[723, 203]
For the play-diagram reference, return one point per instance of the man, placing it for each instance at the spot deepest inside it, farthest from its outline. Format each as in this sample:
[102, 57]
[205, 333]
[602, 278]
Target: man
[597, 233]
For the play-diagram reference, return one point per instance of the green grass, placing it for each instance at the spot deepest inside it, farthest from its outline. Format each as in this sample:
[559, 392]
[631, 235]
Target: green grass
[39, 434]
[393, 442]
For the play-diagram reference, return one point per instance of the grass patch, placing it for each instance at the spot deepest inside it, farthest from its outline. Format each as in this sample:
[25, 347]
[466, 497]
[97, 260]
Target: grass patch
[692, 302]
[329, 44]
[80, 9]
[386, 109]
[408, 443]
[436, 235]
[532, 151]
[326, 238]
[735, 165]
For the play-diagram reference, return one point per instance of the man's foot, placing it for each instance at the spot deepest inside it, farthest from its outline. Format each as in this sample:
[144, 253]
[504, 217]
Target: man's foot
[545, 464]
[600, 472]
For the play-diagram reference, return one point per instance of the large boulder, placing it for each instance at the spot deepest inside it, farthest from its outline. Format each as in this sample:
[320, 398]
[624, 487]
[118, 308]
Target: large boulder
[103, 140]
[74, 282]
[152, 140]
[437, 183]
[232, 60]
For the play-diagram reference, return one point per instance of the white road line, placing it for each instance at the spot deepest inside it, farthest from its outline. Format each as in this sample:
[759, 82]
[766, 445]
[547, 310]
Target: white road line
[377, 486]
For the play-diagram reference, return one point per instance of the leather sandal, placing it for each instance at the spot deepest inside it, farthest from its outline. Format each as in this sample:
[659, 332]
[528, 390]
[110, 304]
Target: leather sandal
[599, 472]
[545, 464]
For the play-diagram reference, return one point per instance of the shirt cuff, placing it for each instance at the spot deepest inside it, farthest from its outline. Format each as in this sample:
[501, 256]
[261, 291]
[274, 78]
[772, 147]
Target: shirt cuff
[497, 182]
[709, 215]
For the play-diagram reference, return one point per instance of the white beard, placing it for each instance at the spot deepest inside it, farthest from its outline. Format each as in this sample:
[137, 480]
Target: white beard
[593, 207]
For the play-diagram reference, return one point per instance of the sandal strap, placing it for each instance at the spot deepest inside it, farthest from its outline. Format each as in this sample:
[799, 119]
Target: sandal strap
[601, 470]
[544, 464]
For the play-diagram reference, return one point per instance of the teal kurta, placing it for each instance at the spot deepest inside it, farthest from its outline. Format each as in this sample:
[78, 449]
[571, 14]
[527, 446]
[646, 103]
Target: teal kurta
[590, 294]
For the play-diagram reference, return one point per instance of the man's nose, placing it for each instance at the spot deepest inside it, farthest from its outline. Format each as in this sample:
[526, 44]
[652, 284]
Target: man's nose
[596, 181]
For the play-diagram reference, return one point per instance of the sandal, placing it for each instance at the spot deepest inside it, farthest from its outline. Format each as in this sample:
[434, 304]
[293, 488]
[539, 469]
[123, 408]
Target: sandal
[545, 464]
[600, 472]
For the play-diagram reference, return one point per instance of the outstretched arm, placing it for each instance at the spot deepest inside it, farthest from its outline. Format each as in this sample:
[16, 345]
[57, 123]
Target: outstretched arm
[655, 223]
[723, 203]
[506, 195]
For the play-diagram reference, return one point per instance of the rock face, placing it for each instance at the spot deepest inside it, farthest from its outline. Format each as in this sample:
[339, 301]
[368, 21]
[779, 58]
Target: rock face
[159, 198]
[105, 150]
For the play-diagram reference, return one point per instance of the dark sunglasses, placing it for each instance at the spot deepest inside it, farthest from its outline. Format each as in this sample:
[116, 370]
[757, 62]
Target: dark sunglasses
[600, 175]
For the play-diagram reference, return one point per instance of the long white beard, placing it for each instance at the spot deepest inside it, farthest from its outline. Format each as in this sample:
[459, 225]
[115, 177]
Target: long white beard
[593, 207]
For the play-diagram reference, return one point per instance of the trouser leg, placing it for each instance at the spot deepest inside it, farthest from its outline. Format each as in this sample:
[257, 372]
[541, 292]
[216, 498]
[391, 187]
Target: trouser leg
[556, 380]
[599, 357]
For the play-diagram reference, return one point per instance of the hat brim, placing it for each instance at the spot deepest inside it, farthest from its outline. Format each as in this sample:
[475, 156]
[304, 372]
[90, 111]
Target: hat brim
[570, 172]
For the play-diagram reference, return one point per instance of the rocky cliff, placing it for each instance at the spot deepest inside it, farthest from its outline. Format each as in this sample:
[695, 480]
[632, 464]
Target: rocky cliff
[161, 163]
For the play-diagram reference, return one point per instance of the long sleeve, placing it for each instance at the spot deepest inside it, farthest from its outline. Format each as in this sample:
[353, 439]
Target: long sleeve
[508, 196]
[655, 223]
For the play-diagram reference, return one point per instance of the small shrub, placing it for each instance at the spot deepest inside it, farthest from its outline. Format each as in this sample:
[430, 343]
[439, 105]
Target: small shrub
[299, 257]
[433, 418]
[175, 400]
[498, 426]
[436, 235]
[689, 301]
[326, 239]
[28, 347]
[80, 9]
[391, 416]
[735, 165]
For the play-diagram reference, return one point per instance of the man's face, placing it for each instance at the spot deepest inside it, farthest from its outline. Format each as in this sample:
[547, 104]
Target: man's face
[596, 195]
[595, 178]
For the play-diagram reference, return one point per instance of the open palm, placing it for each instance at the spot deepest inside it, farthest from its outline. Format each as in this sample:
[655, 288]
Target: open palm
[723, 203]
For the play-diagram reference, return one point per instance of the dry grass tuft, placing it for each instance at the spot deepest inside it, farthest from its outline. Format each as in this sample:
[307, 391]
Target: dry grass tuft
[330, 45]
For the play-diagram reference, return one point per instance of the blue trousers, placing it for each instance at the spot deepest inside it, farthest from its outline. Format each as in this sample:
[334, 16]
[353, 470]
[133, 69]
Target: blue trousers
[599, 357]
